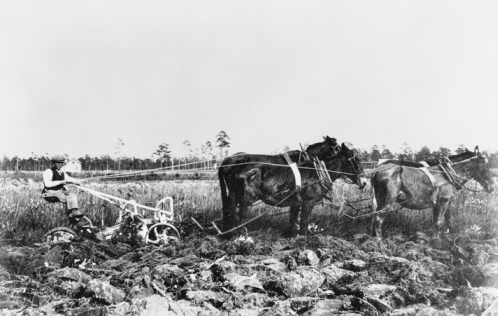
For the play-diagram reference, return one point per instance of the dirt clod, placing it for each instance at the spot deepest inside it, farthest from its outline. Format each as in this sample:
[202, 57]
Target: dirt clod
[205, 275]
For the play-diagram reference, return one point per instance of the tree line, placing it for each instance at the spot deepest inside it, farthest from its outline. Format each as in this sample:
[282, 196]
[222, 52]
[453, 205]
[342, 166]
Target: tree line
[424, 154]
[199, 157]
[203, 157]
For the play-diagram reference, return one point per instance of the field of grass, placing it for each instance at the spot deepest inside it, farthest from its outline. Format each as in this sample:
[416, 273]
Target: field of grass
[114, 175]
[25, 217]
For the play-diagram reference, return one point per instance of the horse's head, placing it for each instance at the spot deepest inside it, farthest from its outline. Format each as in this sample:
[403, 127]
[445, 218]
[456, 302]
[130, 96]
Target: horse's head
[327, 148]
[353, 168]
[482, 172]
[332, 144]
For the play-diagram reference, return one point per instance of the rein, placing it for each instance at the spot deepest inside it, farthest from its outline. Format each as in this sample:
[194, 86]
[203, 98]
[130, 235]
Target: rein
[446, 167]
[471, 190]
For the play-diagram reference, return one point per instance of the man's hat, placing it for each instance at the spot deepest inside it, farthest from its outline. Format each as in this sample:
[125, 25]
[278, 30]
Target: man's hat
[58, 158]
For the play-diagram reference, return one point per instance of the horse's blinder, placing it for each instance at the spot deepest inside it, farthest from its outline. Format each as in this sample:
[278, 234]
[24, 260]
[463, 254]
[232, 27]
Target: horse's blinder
[352, 160]
[478, 173]
[335, 149]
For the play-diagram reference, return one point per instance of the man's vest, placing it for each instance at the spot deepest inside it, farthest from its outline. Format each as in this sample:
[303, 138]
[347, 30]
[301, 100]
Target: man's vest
[56, 176]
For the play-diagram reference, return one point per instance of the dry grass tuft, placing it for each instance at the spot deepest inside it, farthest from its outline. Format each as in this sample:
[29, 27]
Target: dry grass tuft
[25, 217]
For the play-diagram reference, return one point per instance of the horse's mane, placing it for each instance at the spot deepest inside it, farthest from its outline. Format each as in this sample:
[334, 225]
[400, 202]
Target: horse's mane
[403, 163]
[462, 156]
[291, 152]
[431, 162]
[315, 145]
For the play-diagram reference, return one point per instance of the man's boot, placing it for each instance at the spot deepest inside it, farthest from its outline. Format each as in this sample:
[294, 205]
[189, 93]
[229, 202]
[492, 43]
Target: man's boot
[81, 227]
[74, 217]
[75, 213]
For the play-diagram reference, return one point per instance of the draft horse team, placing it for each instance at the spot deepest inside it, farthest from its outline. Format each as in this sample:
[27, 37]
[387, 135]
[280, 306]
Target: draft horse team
[302, 179]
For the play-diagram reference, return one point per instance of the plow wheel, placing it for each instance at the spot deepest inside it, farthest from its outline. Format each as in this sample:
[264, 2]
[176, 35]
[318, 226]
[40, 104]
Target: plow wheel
[161, 232]
[85, 222]
[66, 234]
[59, 234]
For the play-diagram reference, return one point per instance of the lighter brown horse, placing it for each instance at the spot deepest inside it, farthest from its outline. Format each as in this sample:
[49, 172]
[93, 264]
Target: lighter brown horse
[405, 183]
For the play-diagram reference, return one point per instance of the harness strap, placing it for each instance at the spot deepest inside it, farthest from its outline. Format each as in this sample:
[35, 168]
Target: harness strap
[323, 175]
[427, 172]
[449, 172]
[293, 166]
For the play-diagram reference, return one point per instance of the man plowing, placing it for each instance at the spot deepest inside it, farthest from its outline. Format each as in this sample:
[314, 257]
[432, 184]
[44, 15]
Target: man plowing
[54, 180]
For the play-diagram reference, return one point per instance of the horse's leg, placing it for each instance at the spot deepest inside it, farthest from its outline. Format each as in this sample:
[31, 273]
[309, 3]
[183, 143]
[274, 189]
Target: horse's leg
[227, 211]
[245, 207]
[229, 215]
[229, 203]
[447, 219]
[438, 214]
[306, 209]
[435, 214]
[385, 194]
[294, 214]
[377, 218]
[248, 184]
[442, 204]
[225, 189]
[236, 198]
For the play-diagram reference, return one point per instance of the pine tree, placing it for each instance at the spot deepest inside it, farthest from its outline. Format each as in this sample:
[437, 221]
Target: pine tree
[222, 140]
[164, 153]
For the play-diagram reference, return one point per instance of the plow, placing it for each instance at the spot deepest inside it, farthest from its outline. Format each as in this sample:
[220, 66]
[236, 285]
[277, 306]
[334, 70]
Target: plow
[154, 224]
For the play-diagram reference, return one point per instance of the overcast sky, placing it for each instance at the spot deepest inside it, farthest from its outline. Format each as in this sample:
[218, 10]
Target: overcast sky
[76, 76]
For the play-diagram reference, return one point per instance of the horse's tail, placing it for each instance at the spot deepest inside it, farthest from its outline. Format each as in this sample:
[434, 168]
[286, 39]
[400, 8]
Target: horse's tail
[223, 188]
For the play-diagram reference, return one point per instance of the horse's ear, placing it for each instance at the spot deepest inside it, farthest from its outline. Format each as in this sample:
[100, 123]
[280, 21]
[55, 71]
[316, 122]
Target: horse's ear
[346, 146]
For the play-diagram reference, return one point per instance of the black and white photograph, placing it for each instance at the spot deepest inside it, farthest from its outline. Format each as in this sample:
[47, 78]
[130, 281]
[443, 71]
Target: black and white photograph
[248, 158]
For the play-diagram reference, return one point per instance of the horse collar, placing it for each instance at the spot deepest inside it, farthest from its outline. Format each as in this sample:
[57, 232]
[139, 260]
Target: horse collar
[295, 170]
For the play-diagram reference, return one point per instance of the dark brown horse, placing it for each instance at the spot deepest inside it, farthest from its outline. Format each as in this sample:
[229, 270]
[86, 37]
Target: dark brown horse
[276, 185]
[232, 185]
[407, 184]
